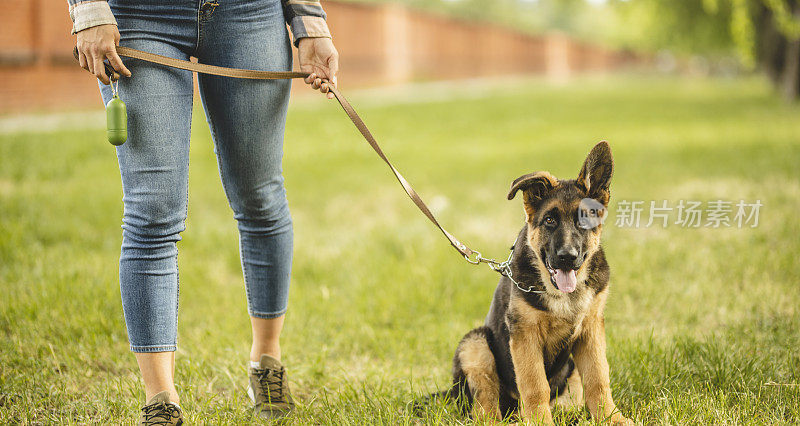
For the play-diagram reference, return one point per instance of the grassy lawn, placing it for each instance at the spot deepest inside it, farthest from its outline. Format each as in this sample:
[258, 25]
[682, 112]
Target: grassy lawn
[703, 324]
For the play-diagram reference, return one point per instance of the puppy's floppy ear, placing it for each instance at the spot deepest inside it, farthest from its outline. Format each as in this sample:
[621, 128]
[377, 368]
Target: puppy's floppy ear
[534, 187]
[595, 175]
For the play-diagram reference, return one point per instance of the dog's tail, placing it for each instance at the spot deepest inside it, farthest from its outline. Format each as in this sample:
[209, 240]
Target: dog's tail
[454, 394]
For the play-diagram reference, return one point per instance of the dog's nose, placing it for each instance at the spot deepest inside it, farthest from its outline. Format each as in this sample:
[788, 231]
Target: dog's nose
[567, 257]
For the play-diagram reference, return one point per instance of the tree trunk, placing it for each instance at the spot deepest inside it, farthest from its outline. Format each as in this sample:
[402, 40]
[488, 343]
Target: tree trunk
[771, 46]
[790, 77]
[790, 81]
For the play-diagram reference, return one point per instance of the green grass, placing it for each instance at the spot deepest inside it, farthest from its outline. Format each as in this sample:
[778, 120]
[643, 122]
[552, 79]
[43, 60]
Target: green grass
[702, 323]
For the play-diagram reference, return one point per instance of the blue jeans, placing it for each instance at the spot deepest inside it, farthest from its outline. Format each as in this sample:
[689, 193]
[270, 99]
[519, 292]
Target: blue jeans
[246, 118]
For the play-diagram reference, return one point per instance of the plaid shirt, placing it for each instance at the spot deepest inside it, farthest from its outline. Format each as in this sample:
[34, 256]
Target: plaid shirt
[305, 17]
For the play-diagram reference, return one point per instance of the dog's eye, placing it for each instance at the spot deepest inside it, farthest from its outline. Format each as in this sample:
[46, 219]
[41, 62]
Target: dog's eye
[549, 221]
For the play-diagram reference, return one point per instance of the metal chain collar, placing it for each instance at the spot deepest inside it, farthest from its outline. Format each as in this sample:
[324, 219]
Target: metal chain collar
[503, 268]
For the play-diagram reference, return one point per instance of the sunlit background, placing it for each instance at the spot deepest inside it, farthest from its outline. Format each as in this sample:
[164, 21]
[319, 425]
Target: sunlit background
[696, 98]
[397, 42]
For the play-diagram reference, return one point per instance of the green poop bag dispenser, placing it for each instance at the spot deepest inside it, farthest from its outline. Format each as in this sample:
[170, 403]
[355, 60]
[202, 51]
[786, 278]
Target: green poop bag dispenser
[116, 120]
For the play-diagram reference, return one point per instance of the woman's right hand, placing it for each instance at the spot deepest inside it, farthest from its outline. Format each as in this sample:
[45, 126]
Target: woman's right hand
[96, 44]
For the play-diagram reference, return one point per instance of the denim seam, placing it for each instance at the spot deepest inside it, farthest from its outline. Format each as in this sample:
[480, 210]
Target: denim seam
[156, 348]
[265, 315]
[177, 292]
[185, 216]
[244, 274]
[199, 36]
[203, 17]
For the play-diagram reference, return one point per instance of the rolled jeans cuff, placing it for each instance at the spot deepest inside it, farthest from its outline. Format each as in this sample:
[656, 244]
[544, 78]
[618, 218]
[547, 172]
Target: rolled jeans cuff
[264, 315]
[149, 349]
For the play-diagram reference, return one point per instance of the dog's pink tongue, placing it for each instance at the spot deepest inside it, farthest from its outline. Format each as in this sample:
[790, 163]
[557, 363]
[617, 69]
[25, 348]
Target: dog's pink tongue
[566, 281]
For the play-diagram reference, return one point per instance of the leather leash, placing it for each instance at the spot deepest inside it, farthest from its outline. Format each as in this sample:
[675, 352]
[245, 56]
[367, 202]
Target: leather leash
[502, 267]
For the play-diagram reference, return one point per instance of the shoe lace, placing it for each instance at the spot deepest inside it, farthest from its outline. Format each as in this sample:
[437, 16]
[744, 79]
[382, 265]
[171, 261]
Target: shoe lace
[159, 413]
[271, 382]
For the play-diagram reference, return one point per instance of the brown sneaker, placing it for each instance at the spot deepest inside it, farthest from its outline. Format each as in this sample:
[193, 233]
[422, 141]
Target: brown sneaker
[159, 411]
[269, 389]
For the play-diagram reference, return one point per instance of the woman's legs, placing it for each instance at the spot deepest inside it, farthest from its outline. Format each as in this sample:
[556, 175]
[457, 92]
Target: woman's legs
[266, 334]
[158, 373]
[247, 120]
[154, 170]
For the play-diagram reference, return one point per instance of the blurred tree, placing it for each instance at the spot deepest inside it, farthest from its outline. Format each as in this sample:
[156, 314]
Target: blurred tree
[774, 41]
[683, 26]
[766, 33]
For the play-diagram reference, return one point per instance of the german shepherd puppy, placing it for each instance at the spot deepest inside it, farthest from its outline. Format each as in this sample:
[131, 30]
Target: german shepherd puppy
[547, 318]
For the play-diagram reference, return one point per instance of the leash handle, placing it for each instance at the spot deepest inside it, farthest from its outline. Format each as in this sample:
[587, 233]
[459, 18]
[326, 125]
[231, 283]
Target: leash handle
[343, 102]
[112, 74]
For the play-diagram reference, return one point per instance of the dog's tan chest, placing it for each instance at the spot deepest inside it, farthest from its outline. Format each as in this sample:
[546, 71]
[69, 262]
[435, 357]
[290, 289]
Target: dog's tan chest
[555, 329]
[550, 329]
[571, 308]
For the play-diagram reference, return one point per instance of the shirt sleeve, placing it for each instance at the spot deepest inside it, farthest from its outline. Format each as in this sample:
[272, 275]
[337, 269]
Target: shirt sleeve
[89, 13]
[306, 19]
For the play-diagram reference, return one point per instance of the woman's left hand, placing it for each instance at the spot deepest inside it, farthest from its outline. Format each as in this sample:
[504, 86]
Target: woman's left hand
[318, 56]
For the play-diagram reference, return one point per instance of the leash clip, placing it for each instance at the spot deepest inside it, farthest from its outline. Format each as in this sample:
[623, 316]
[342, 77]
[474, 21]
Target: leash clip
[478, 258]
[502, 268]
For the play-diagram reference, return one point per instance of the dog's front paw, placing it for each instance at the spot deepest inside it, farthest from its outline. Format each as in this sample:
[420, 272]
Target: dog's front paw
[540, 415]
[620, 420]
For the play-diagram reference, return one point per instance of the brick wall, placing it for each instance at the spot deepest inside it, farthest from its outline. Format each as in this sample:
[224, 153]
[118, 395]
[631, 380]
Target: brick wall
[379, 44]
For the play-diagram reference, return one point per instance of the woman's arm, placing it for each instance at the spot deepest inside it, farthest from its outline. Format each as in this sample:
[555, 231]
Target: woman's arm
[97, 36]
[315, 51]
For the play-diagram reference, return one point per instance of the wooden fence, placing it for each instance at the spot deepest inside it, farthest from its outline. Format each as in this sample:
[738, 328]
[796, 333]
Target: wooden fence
[378, 44]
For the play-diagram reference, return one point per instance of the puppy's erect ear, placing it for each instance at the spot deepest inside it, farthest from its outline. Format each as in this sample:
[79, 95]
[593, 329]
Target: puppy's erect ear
[534, 187]
[595, 175]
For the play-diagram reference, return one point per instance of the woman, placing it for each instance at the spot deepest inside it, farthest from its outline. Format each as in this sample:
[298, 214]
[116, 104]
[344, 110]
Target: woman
[247, 120]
